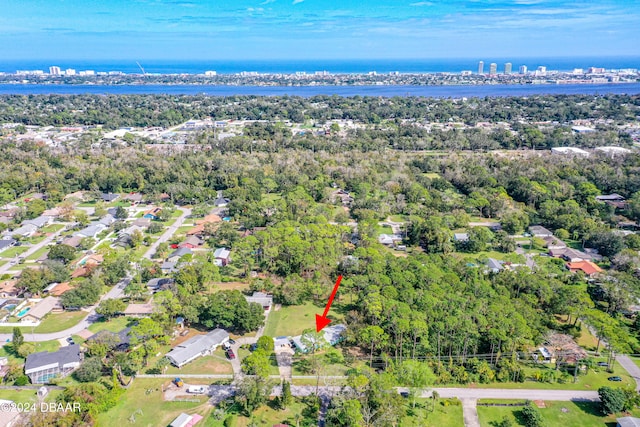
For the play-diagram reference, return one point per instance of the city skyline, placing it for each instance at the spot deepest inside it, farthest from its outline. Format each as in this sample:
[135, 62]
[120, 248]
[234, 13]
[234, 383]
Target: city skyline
[261, 29]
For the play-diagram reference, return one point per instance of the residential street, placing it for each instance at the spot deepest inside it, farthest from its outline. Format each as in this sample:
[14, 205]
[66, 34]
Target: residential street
[32, 250]
[168, 233]
[631, 368]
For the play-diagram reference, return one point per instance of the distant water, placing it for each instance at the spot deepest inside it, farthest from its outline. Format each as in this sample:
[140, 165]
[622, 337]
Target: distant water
[332, 66]
[458, 91]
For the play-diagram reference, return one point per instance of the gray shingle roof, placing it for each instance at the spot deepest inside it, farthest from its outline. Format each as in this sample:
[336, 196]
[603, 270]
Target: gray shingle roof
[64, 356]
[197, 345]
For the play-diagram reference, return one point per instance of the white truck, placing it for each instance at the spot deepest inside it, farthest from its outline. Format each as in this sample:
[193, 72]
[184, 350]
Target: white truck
[197, 389]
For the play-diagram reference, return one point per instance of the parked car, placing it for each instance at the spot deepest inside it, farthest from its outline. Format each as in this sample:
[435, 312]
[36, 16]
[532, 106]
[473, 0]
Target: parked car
[404, 394]
[253, 347]
[70, 340]
[232, 342]
[226, 345]
[230, 354]
[605, 364]
[185, 332]
[615, 378]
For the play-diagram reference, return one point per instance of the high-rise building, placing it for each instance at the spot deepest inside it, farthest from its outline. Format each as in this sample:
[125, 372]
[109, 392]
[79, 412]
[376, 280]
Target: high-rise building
[493, 69]
[70, 72]
[507, 68]
[523, 69]
[54, 71]
[481, 67]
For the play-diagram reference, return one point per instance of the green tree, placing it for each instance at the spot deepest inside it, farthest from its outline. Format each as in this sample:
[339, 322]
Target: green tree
[265, 343]
[32, 279]
[111, 307]
[257, 363]
[90, 370]
[64, 253]
[17, 340]
[531, 416]
[286, 398]
[612, 400]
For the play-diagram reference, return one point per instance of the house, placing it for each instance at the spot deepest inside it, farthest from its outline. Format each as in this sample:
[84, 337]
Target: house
[41, 309]
[200, 345]
[332, 335]
[554, 243]
[185, 420]
[179, 253]
[109, 197]
[107, 220]
[91, 230]
[160, 284]
[142, 222]
[168, 267]
[26, 230]
[120, 340]
[222, 256]
[8, 289]
[628, 422]
[74, 241]
[200, 224]
[265, 300]
[57, 289]
[615, 200]
[494, 266]
[40, 221]
[574, 255]
[134, 198]
[139, 310]
[153, 213]
[7, 243]
[279, 342]
[540, 231]
[43, 366]
[460, 237]
[546, 354]
[587, 267]
[220, 202]
[389, 239]
[191, 242]
[569, 151]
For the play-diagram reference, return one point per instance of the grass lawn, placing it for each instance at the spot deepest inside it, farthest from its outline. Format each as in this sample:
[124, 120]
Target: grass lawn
[7, 351]
[52, 228]
[431, 175]
[511, 257]
[217, 363]
[383, 230]
[149, 410]
[595, 379]
[447, 413]
[575, 414]
[27, 396]
[292, 320]
[37, 254]
[14, 251]
[114, 325]
[55, 322]
[398, 218]
[264, 416]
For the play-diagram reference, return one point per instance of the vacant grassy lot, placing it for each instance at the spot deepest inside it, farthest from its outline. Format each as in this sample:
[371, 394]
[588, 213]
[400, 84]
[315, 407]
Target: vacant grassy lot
[55, 322]
[149, 409]
[292, 320]
[264, 416]
[565, 414]
[114, 325]
[447, 413]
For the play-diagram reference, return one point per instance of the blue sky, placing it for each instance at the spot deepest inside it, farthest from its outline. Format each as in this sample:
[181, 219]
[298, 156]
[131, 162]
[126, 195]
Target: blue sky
[310, 29]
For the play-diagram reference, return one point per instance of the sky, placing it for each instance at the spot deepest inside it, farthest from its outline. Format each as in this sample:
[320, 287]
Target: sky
[315, 29]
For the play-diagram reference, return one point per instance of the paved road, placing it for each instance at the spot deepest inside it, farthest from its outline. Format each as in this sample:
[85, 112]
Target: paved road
[631, 368]
[32, 250]
[115, 292]
[501, 393]
[169, 232]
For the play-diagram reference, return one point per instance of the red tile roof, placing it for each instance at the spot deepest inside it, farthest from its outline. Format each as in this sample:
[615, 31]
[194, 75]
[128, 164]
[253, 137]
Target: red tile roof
[587, 267]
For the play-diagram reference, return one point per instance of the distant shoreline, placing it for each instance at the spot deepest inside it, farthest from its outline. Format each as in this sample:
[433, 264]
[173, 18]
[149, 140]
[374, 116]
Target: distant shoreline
[435, 91]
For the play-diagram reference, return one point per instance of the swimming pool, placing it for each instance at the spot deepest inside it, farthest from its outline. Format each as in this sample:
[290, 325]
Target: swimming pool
[23, 311]
[9, 307]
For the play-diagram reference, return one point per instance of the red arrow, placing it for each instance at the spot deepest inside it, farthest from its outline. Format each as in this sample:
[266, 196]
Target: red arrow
[322, 321]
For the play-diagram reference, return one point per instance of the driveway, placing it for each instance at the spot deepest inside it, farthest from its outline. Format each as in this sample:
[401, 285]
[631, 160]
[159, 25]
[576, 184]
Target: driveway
[470, 413]
[284, 357]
